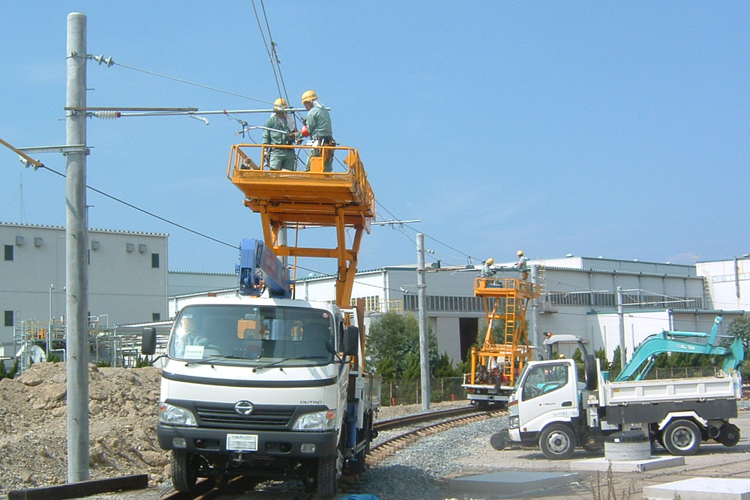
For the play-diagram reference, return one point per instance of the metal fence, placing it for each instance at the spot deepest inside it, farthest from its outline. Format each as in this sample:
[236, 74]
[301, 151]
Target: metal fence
[405, 392]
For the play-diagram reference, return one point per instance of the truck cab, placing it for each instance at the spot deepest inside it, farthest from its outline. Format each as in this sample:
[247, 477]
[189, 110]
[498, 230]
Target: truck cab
[263, 387]
[546, 391]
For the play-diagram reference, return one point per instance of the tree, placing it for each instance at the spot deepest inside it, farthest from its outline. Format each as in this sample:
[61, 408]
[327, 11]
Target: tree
[741, 327]
[393, 347]
[616, 366]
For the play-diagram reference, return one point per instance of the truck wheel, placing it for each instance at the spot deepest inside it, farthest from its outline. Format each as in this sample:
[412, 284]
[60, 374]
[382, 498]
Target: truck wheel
[557, 442]
[328, 475]
[729, 435]
[682, 437]
[499, 440]
[184, 470]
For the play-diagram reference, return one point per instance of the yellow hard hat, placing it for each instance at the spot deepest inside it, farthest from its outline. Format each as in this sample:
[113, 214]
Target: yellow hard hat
[490, 261]
[310, 95]
[520, 252]
[279, 104]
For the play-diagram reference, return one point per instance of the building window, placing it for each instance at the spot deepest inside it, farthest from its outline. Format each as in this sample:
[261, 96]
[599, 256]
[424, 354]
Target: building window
[8, 252]
[8, 318]
[154, 260]
[155, 316]
[445, 303]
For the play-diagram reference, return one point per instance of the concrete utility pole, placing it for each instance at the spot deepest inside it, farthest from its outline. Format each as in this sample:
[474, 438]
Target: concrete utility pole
[424, 345]
[75, 254]
[621, 316]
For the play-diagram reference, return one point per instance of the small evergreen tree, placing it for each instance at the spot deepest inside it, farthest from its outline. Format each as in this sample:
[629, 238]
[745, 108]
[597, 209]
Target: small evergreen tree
[616, 366]
[741, 327]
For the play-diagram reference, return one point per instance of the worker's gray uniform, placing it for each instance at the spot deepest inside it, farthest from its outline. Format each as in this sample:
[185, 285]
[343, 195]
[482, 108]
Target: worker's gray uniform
[321, 131]
[280, 158]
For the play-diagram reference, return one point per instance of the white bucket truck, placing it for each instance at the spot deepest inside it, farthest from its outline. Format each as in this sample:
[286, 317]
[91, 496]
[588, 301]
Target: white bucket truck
[272, 388]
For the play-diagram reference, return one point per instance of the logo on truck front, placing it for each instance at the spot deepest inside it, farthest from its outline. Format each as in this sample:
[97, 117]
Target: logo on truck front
[243, 407]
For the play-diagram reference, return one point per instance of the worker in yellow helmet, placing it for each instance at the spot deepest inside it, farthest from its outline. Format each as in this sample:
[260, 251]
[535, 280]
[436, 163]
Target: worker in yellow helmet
[318, 127]
[280, 130]
[522, 265]
[487, 269]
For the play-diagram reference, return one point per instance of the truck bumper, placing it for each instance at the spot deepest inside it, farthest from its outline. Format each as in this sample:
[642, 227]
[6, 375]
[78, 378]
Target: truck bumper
[523, 438]
[277, 444]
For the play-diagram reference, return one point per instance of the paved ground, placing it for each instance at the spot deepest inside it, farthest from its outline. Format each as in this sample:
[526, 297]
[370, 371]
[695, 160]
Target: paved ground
[712, 460]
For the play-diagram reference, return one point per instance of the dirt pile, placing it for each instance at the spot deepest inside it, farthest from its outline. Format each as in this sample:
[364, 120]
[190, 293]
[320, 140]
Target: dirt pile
[123, 407]
[122, 426]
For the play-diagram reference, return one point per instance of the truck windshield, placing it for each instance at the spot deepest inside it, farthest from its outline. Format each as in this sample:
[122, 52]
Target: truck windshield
[257, 336]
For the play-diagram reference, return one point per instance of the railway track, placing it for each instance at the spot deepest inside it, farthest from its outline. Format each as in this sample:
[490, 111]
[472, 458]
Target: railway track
[447, 420]
[241, 488]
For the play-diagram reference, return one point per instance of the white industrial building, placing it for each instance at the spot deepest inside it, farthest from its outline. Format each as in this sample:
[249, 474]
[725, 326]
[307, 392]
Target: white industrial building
[579, 296]
[129, 283]
[127, 278]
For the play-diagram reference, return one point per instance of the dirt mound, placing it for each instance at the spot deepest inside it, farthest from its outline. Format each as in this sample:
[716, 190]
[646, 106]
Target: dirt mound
[123, 413]
[122, 426]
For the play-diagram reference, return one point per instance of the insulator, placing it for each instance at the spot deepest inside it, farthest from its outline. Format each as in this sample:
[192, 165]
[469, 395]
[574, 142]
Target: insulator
[107, 115]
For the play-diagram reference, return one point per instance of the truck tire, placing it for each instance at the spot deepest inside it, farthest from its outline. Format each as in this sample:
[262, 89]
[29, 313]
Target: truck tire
[184, 470]
[729, 435]
[557, 441]
[328, 476]
[681, 437]
[499, 440]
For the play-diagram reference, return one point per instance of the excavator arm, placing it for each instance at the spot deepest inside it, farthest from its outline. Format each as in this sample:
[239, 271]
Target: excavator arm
[674, 341]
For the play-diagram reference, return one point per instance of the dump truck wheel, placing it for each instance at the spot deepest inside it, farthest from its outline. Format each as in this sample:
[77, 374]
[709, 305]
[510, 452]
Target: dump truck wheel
[557, 442]
[682, 437]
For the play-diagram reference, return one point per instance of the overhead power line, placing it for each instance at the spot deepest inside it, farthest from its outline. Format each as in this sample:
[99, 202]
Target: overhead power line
[110, 62]
[118, 200]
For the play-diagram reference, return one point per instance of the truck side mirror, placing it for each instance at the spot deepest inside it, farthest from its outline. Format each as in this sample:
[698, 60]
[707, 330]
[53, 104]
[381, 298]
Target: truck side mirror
[351, 341]
[148, 341]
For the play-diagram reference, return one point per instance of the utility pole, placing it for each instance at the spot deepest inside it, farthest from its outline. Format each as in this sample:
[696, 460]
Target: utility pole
[75, 253]
[51, 321]
[424, 345]
[621, 316]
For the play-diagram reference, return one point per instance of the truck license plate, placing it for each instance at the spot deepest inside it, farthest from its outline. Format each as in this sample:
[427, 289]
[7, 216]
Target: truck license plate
[242, 442]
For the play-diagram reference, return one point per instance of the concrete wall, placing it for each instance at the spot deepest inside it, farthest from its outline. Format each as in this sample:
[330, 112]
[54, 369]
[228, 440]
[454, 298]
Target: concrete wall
[124, 285]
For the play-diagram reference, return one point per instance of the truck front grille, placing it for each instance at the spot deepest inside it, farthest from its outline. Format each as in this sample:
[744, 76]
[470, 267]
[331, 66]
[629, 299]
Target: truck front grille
[225, 416]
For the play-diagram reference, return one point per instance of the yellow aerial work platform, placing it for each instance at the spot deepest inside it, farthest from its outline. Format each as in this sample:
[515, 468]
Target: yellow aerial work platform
[341, 199]
[504, 299]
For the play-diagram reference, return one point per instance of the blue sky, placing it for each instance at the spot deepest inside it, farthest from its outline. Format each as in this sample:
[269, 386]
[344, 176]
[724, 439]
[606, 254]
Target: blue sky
[615, 129]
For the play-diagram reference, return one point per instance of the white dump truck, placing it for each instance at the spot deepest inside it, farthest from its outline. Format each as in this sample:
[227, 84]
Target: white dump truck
[554, 409]
[268, 387]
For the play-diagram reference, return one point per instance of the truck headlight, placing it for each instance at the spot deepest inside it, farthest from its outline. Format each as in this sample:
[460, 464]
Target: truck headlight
[316, 421]
[176, 415]
[513, 422]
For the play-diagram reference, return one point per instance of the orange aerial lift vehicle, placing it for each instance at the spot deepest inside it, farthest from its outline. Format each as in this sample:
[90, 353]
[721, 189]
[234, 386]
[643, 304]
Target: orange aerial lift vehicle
[496, 364]
[297, 199]
[303, 405]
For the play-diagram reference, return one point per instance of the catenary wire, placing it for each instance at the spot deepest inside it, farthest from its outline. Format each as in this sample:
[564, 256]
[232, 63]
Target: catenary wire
[146, 211]
[190, 83]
